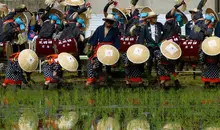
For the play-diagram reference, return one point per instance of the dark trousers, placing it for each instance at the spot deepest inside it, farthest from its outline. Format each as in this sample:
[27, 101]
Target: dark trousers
[150, 60]
[17, 48]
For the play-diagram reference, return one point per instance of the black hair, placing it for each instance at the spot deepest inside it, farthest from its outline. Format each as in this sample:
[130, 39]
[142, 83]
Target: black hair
[109, 21]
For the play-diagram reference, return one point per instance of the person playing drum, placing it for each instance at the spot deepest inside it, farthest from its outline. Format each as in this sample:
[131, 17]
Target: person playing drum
[210, 61]
[104, 34]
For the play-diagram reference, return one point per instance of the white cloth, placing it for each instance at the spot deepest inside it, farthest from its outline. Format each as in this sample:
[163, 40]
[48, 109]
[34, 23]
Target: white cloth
[153, 31]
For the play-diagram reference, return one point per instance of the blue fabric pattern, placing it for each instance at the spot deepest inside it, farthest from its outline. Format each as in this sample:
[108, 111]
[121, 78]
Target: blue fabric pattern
[142, 15]
[55, 18]
[20, 23]
[210, 17]
[82, 22]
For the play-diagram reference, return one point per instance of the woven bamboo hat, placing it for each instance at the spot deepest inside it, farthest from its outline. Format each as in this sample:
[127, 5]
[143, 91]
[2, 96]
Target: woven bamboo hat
[116, 10]
[138, 125]
[212, 12]
[211, 46]
[138, 54]
[172, 126]
[146, 10]
[195, 10]
[58, 13]
[108, 55]
[68, 121]
[23, 17]
[73, 2]
[171, 50]
[84, 17]
[185, 19]
[28, 60]
[68, 62]
[108, 124]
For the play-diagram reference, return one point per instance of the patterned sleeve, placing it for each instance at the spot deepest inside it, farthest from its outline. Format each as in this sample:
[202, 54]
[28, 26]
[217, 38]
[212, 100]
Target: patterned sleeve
[202, 58]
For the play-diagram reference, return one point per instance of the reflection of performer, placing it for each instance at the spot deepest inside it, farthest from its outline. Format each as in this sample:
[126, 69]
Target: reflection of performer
[52, 70]
[104, 34]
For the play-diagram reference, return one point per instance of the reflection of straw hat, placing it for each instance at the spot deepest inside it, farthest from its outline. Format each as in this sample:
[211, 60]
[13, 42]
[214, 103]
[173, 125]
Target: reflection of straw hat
[138, 124]
[171, 50]
[212, 128]
[212, 12]
[211, 46]
[171, 126]
[108, 55]
[84, 17]
[57, 12]
[68, 121]
[27, 123]
[109, 17]
[73, 2]
[108, 124]
[28, 60]
[116, 10]
[68, 62]
[195, 10]
[185, 19]
[138, 54]
[146, 10]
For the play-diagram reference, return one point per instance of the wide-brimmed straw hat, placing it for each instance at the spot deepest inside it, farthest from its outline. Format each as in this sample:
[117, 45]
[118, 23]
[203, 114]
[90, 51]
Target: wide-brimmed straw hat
[3, 10]
[109, 123]
[146, 10]
[138, 124]
[184, 18]
[67, 121]
[210, 11]
[116, 10]
[172, 126]
[110, 17]
[68, 62]
[211, 46]
[108, 55]
[23, 17]
[138, 54]
[86, 21]
[58, 13]
[28, 60]
[73, 2]
[152, 14]
[195, 10]
[171, 50]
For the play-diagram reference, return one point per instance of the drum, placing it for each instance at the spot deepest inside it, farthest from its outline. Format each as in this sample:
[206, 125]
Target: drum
[175, 38]
[5, 50]
[190, 50]
[45, 47]
[67, 45]
[126, 42]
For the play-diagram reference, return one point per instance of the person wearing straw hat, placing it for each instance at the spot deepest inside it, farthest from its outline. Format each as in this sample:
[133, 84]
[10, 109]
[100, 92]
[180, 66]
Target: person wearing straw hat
[14, 74]
[166, 58]
[175, 19]
[151, 35]
[210, 61]
[104, 34]
[211, 19]
[190, 24]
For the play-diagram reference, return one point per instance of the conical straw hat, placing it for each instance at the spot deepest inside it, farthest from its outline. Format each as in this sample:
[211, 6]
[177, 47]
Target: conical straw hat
[146, 10]
[108, 124]
[28, 60]
[116, 10]
[68, 121]
[172, 126]
[171, 50]
[211, 46]
[138, 125]
[73, 2]
[212, 12]
[68, 62]
[138, 54]
[108, 55]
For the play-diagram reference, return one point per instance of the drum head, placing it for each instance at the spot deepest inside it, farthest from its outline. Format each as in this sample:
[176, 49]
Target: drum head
[28, 60]
[171, 50]
[211, 46]
[138, 54]
[108, 124]
[108, 55]
[68, 62]
[138, 124]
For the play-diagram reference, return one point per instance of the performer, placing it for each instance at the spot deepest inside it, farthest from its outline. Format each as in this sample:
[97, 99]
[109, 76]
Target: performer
[174, 22]
[166, 61]
[104, 34]
[14, 74]
[52, 70]
[210, 62]
[151, 34]
[190, 24]
[211, 19]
